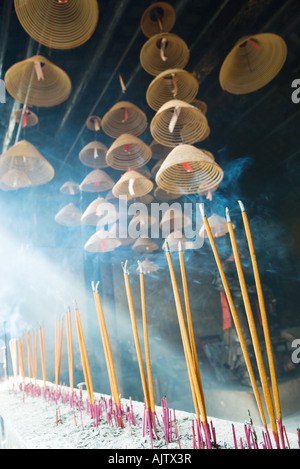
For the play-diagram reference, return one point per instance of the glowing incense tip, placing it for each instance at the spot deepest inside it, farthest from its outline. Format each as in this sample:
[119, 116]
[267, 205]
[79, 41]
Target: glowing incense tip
[93, 285]
[140, 267]
[228, 219]
[241, 205]
[201, 207]
[179, 246]
[167, 249]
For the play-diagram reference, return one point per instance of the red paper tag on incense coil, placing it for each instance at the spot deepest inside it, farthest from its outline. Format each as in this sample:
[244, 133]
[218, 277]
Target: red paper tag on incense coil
[62, 1]
[187, 167]
[127, 147]
[253, 43]
[125, 115]
[24, 122]
[102, 244]
[39, 71]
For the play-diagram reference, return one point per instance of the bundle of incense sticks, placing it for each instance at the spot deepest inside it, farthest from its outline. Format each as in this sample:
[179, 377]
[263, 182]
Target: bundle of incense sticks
[252, 327]
[59, 325]
[43, 355]
[146, 346]
[84, 358]
[34, 341]
[70, 350]
[14, 357]
[145, 387]
[196, 386]
[108, 354]
[21, 359]
[29, 357]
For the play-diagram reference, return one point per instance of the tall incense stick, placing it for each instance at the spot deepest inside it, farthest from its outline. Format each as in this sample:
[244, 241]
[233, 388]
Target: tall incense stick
[34, 341]
[253, 331]
[136, 336]
[84, 357]
[58, 349]
[21, 358]
[29, 358]
[146, 341]
[70, 350]
[264, 318]
[234, 317]
[43, 355]
[187, 350]
[189, 318]
[107, 352]
[14, 357]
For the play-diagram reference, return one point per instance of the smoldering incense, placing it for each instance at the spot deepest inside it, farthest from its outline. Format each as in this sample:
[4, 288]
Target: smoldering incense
[253, 331]
[264, 318]
[234, 316]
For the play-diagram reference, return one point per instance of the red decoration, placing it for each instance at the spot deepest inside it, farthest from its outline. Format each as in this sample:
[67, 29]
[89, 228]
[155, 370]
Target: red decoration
[187, 167]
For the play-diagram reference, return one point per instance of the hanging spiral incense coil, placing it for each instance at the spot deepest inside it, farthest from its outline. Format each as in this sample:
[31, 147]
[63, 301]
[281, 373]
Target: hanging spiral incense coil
[97, 181]
[22, 165]
[128, 151]
[200, 105]
[99, 210]
[93, 155]
[70, 188]
[252, 63]
[170, 84]
[58, 24]
[188, 170]
[124, 117]
[93, 123]
[158, 17]
[37, 82]
[190, 124]
[101, 242]
[165, 196]
[30, 119]
[69, 215]
[145, 245]
[159, 151]
[162, 52]
[132, 185]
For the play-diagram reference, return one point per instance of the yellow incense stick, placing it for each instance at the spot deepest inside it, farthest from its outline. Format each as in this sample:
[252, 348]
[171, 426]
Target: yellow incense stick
[263, 313]
[43, 356]
[136, 336]
[146, 339]
[21, 359]
[58, 349]
[84, 358]
[70, 350]
[185, 340]
[189, 320]
[34, 355]
[106, 346]
[29, 358]
[252, 328]
[234, 317]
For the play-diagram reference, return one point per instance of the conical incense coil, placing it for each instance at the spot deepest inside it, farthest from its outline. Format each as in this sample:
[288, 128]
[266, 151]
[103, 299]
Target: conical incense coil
[93, 123]
[200, 105]
[98, 213]
[164, 196]
[147, 267]
[159, 151]
[119, 231]
[101, 242]
[253, 63]
[38, 82]
[178, 122]
[63, 24]
[141, 221]
[29, 119]
[188, 170]
[128, 151]
[70, 188]
[145, 245]
[174, 219]
[93, 155]
[145, 199]
[162, 52]
[218, 225]
[170, 84]
[132, 184]
[26, 159]
[177, 240]
[124, 117]
[15, 179]
[158, 17]
[70, 215]
[97, 181]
